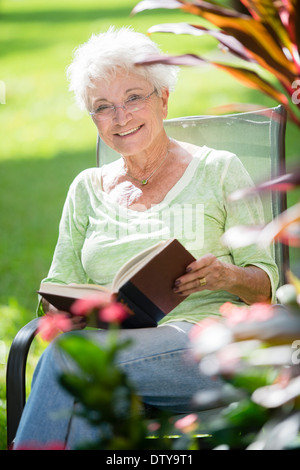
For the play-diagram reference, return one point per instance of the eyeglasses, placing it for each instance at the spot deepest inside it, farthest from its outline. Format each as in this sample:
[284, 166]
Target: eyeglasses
[132, 104]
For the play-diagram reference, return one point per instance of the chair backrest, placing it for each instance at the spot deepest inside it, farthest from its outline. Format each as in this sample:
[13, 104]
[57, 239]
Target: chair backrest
[257, 138]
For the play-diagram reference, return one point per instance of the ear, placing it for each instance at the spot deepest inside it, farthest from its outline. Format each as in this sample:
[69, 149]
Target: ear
[165, 100]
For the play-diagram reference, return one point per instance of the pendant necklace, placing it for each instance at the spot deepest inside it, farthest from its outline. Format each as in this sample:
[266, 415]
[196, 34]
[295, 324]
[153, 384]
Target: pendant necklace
[145, 180]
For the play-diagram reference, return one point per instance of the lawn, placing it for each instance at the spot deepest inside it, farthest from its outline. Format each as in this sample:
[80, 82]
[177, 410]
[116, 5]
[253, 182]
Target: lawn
[46, 140]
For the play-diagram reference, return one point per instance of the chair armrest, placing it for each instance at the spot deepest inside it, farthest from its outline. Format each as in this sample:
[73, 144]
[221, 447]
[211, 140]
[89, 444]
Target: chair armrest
[16, 378]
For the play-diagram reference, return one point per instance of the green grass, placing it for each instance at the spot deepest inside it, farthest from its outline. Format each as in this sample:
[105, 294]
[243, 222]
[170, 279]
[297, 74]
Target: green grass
[45, 140]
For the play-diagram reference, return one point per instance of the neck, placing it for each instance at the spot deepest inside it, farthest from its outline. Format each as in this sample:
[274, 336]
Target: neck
[140, 166]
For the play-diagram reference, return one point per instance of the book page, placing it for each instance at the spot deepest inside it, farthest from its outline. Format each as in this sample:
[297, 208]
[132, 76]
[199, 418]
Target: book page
[72, 290]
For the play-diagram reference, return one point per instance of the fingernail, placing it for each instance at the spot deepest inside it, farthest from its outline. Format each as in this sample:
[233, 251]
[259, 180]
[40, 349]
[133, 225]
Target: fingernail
[177, 282]
[188, 269]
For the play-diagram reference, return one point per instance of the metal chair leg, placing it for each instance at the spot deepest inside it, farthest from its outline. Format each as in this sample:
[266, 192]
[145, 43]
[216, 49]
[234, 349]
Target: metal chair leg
[16, 379]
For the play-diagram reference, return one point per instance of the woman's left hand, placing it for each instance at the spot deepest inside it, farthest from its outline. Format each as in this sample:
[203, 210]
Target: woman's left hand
[250, 283]
[207, 272]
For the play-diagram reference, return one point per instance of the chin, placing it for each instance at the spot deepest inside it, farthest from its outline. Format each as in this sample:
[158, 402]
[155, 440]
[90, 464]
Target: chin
[129, 146]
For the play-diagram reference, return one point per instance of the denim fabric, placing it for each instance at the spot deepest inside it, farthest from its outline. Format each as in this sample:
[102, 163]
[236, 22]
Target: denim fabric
[158, 363]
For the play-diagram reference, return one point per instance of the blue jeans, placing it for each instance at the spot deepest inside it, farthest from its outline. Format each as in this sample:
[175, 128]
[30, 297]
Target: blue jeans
[158, 364]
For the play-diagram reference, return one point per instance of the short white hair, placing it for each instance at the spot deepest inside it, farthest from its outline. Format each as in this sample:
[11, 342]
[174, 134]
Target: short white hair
[105, 53]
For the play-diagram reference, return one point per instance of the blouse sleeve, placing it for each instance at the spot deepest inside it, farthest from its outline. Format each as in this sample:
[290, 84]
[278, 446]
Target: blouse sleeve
[66, 265]
[247, 211]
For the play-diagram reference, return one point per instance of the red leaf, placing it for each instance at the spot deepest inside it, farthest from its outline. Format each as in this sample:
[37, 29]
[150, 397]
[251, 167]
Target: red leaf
[184, 28]
[281, 183]
[185, 59]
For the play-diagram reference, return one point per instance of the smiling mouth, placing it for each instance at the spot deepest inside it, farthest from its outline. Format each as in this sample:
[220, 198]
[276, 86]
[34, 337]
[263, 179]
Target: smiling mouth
[131, 131]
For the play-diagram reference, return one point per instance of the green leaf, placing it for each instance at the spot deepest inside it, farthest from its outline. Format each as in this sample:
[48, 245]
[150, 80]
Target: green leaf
[88, 356]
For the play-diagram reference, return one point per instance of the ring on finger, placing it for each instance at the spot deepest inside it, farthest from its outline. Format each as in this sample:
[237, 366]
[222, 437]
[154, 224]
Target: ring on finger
[202, 281]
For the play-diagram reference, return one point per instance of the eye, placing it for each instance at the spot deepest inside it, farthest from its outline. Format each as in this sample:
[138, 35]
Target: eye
[133, 98]
[103, 108]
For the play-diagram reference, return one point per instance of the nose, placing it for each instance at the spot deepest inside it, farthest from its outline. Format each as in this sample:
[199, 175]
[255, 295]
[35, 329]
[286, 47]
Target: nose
[121, 114]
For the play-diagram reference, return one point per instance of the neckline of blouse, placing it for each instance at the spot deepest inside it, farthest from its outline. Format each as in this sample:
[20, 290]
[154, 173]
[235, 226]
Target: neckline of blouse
[174, 191]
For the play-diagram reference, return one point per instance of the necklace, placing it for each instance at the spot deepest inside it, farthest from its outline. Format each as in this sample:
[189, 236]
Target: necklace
[145, 180]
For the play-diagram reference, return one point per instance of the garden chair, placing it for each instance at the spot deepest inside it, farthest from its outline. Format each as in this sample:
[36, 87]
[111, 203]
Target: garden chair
[258, 138]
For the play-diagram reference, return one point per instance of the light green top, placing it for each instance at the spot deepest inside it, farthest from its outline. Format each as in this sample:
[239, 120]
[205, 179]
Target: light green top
[97, 236]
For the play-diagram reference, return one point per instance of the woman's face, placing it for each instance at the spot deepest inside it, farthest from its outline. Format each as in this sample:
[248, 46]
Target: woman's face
[130, 133]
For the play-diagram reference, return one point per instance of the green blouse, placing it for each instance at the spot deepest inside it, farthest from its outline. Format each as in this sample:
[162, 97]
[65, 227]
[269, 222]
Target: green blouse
[97, 236]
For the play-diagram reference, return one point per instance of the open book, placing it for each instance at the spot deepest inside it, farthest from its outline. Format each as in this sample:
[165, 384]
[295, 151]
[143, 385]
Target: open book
[144, 283]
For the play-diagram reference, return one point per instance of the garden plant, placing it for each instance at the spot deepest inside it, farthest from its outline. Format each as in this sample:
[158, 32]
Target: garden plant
[264, 37]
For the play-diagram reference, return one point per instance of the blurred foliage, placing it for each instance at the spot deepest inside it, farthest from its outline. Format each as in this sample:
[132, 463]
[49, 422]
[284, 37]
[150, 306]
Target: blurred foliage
[261, 375]
[256, 351]
[263, 36]
[107, 399]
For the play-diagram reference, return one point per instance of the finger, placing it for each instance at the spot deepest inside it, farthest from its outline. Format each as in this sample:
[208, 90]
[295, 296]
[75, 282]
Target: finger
[192, 277]
[201, 263]
[195, 285]
[79, 322]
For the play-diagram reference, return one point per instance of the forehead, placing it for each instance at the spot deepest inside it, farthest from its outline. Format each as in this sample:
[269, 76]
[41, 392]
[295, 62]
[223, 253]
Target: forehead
[118, 86]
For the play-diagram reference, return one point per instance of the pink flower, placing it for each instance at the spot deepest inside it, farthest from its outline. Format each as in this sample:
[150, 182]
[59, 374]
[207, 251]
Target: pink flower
[228, 359]
[89, 304]
[187, 423]
[154, 426]
[260, 312]
[233, 313]
[33, 445]
[227, 308]
[52, 324]
[113, 313]
[256, 312]
[201, 326]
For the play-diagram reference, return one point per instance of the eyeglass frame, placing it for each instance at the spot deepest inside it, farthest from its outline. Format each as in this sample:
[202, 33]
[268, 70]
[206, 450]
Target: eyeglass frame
[123, 106]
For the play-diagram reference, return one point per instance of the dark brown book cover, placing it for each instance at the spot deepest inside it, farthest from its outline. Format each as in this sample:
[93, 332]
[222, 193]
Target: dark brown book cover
[156, 279]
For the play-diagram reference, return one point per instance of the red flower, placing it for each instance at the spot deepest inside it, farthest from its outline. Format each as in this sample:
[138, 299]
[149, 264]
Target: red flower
[52, 324]
[154, 426]
[113, 313]
[89, 304]
[33, 445]
[187, 423]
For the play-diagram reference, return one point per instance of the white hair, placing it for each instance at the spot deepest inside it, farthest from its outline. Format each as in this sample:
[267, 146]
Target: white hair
[105, 53]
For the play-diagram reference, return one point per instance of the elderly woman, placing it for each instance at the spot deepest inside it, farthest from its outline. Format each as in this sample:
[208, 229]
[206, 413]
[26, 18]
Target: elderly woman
[151, 184]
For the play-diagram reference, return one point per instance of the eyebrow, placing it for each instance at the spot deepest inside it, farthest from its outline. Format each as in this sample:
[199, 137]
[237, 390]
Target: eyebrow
[127, 91]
